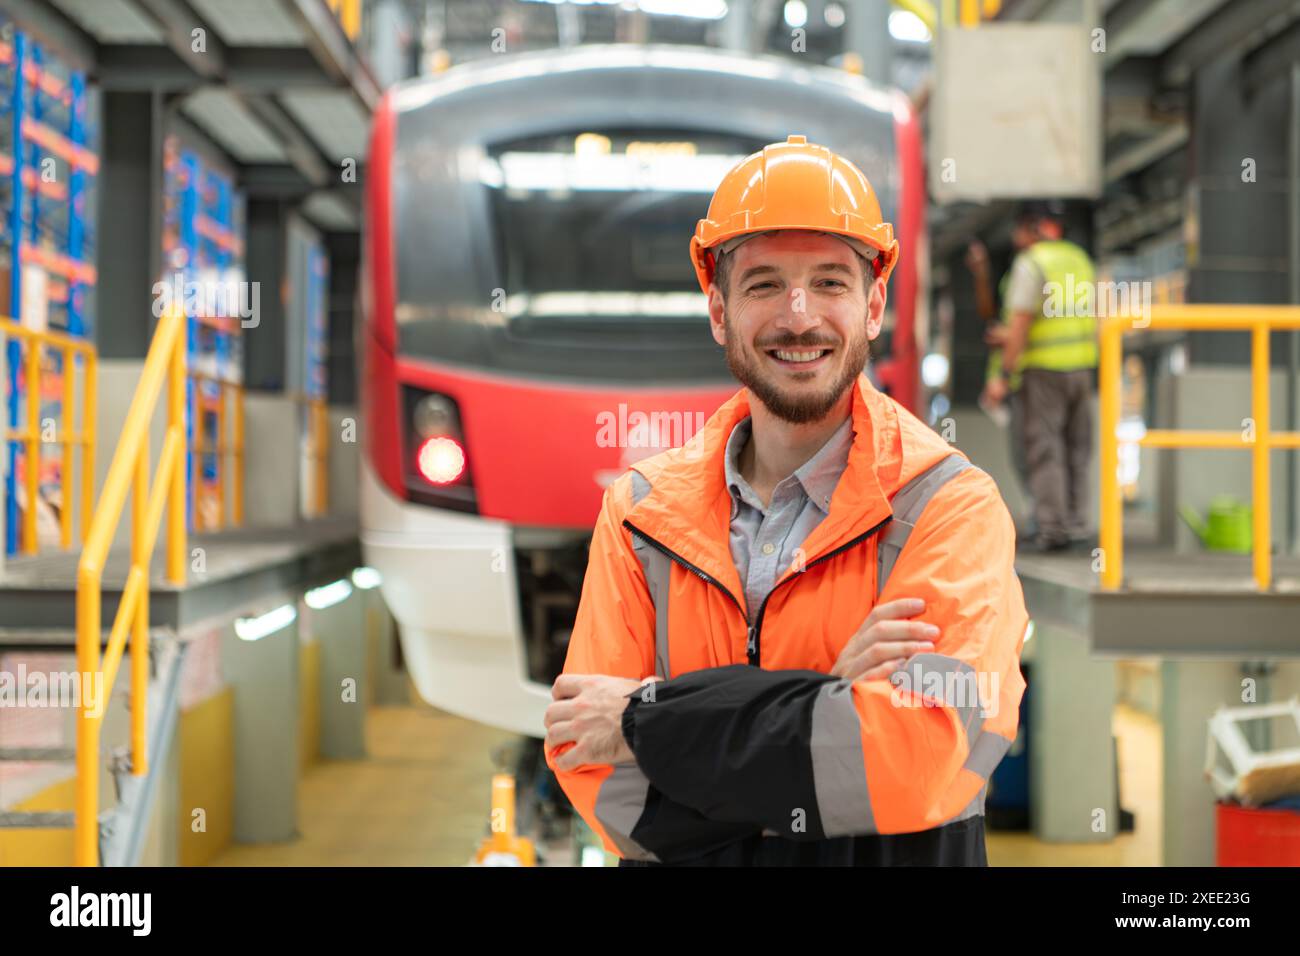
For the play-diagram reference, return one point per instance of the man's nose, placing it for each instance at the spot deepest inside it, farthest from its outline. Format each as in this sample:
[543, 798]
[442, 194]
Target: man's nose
[797, 314]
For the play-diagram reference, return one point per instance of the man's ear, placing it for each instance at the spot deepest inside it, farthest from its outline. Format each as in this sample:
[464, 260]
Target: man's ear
[717, 324]
[876, 298]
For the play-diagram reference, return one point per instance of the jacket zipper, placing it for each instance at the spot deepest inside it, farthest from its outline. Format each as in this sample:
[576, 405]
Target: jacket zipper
[678, 559]
[753, 630]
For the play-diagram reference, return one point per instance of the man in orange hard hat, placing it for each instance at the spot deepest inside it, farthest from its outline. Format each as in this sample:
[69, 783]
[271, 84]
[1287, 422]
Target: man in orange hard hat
[798, 639]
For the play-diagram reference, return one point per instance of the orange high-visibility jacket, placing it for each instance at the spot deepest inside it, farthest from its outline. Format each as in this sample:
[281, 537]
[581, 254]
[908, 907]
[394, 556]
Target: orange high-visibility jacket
[749, 742]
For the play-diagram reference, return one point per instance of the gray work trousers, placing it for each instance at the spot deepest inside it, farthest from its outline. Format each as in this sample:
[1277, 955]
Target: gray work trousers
[1058, 449]
[1016, 436]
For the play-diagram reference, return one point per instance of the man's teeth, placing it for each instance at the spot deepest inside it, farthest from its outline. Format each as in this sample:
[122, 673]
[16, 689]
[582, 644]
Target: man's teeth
[799, 356]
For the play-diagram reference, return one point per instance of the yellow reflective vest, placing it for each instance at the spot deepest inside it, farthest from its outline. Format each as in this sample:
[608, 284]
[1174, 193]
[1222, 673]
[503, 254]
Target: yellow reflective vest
[1063, 336]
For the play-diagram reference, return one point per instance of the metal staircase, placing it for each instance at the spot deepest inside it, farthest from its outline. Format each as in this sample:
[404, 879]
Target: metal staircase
[123, 826]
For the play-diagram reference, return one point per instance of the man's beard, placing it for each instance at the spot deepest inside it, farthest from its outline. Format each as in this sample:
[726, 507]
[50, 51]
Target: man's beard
[802, 408]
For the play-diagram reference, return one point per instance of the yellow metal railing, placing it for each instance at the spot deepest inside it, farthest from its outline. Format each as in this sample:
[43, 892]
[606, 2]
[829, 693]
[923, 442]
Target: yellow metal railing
[229, 449]
[66, 434]
[129, 471]
[348, 13]
[1259, 321]
[318, 428]
[963, 13]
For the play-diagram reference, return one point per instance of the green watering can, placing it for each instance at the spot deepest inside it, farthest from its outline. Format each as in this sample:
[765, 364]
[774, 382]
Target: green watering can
[1227, 526]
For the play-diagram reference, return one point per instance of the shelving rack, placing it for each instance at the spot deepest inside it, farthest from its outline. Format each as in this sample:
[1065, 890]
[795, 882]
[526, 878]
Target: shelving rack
[316, 378]
[48, 167]
[203, 249]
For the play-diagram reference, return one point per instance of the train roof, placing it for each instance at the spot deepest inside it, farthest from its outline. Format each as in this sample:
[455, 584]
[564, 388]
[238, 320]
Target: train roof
[569, 72]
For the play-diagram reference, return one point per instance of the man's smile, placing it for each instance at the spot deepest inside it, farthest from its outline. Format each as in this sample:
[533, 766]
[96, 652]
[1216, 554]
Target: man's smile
[799, 360]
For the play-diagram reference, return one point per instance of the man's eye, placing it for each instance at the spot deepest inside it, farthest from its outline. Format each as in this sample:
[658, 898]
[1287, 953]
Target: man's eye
[759, 285]
[833, 281]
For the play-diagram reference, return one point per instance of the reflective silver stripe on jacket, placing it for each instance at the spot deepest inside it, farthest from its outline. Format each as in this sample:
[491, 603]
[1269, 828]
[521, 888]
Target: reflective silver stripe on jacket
[839, 769]
[657, 568]
[622, 796]
[908, 504]
[619, 805]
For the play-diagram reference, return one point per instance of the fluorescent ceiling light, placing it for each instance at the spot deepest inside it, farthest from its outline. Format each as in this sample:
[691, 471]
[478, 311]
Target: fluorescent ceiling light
[256, 628]
[696, 9]
[318, 599]
[905, 25]
[366, 578]
[699, 9]
[686, 304]
[617, 172]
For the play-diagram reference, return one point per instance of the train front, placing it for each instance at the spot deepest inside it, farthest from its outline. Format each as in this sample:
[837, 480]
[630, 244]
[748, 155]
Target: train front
[533, 327]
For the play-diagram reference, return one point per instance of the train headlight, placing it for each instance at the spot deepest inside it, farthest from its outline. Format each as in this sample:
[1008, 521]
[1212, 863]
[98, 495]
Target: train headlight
[441, 460]
[434, 415]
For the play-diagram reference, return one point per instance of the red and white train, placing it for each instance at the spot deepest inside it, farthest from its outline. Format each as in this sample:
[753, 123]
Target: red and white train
[532, 323]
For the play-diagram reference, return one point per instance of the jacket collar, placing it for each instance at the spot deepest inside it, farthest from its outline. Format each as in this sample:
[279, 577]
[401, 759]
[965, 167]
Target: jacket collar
[688, 509]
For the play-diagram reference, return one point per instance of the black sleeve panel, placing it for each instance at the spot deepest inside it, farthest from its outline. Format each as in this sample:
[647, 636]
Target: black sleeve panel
[733, 744]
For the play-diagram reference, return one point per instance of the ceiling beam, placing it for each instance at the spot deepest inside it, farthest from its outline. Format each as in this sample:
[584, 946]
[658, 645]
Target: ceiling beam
[130, 67]
[178, 23]
[1229, 28]
[1143, 154]
[1271, 60]
[334, 51]
[53, 29]
[248, 69]
[1153, 26]
[268, 69]
[303, 153]
[273, 181]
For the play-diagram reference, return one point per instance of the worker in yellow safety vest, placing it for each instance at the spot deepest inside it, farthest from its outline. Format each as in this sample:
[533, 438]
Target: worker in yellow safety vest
[1050, 342]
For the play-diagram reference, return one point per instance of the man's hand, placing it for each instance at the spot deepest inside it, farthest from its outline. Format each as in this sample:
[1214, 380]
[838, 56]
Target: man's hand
[995, 392]
[995, 335]
[588, 710]
[885, 640]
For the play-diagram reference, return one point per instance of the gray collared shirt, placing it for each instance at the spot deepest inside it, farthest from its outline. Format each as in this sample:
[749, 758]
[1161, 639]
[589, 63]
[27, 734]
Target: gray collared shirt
[764, 541]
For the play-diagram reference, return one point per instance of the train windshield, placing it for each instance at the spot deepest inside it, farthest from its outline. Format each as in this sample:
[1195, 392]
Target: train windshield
[605, 219]
[590, 232]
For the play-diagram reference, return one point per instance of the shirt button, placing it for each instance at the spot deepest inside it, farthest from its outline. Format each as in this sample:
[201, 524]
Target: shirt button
[769, 548]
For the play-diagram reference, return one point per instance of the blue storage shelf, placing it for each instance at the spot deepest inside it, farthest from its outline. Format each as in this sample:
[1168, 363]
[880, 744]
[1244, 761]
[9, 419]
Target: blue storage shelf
[47, 173]
[203, 250]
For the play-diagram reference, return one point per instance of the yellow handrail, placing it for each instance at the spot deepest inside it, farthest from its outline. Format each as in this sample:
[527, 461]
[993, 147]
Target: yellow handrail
[963, 13]
[322, 452]
[1259, 320]
[67, 436]
[317, 412]
[129, 470]
[348, 13]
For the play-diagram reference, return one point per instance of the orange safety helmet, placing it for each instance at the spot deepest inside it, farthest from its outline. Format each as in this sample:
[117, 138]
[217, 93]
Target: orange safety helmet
[793, 185]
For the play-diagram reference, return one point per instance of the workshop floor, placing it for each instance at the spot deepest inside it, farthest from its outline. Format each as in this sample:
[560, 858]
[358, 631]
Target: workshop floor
[421, 798]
